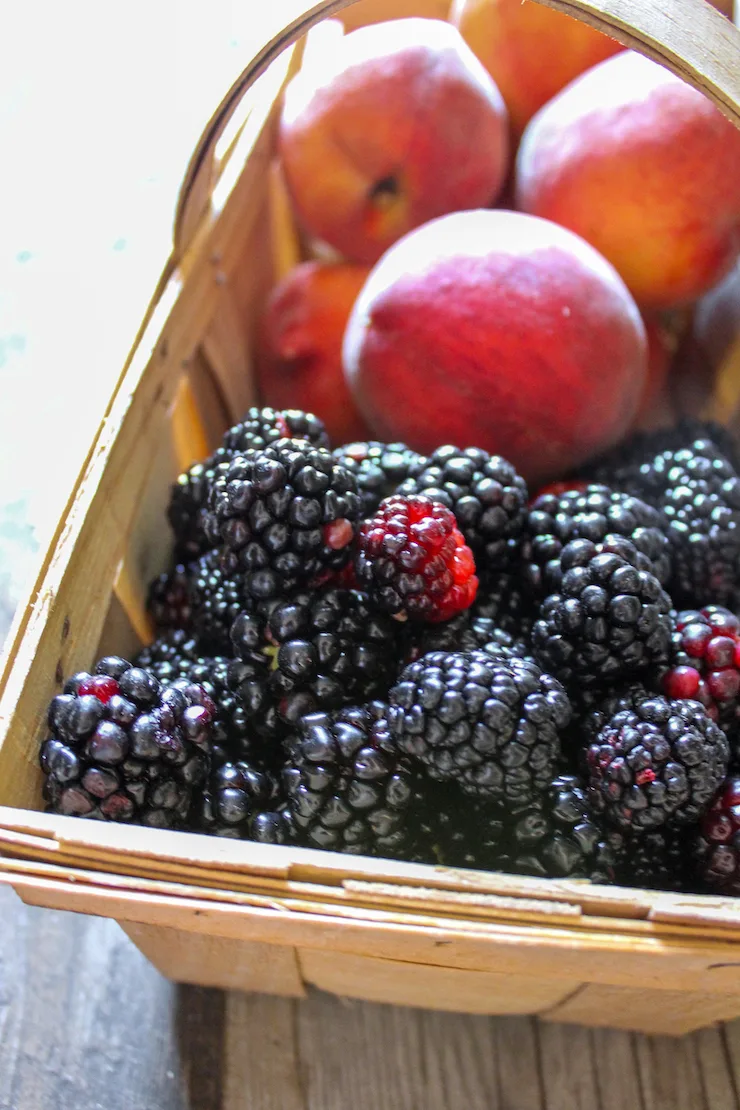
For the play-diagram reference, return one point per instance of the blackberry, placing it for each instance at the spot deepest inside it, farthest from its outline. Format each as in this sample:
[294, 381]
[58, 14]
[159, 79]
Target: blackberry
[179, 655]
[379, 469]
[189, 494]
[187, 506]
[464, 632]
[487, 496]
[558, 836]
[328, 648]
[621, 465]
[591, 514]
[285, 514]
[705, 663]
[491, 725]
[610, 618]
[451, 828]
[656, 860]
[125, 748]
[504, 601]
[697, 489]
[717, 849]
[216, 599]
[413, 561]
[657, 763]
[348, 786]
[234, 803]
[168, 599]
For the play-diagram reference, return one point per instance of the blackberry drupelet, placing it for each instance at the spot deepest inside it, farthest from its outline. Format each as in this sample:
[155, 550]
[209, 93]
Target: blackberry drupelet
[168, 599]
[657, 860]
[216, 599]
[348, 785]
[235, 801]
[506, 602]
[591, 514]
[125, 748]
[328, 648]
[413, 562]
[717, 846]
[658, 763]
[491, 725]
[179, 655]
[705, 663]
[487, 496]
[262, 427]
[558, 836]
[696, 487]
[610, 619]
[379, 469]
[285, 515]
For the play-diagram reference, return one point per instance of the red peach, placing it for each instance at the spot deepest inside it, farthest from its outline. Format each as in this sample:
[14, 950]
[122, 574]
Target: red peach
[299, 363]
[710, 348]
[646, 169]
[532, 52]
[656, 408]
[401, 124]
[501, 330]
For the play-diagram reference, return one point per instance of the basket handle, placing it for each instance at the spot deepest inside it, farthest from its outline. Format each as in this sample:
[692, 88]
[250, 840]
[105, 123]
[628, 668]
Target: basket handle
[689, 37]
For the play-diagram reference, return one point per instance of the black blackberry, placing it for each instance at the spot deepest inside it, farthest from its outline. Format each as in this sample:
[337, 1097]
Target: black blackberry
[329, 648]
[491, 725]
[657, 763]
[348, 785]
[235, 801]
[504, 600]
[610, 618]
[590, 514]
[451, 828]
[125, 748]
[180, 655]
[487, 496]
[262, 427]
[463, 632]
[379, 469]
[216, 599]
[696, 487]
[187, 505]
[168, 599]
[558, 836]
[285, 514]
[657, 860]
[621, 465]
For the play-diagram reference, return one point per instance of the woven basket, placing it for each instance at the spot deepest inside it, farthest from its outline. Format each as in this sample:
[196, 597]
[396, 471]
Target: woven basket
[276, 919]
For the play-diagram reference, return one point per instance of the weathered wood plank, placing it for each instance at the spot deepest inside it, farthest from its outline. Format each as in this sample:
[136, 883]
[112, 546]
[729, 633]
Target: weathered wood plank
[262, 1070]
[669, 1074]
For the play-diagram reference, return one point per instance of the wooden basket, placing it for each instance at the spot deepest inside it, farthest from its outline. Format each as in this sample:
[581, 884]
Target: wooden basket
[276, 919]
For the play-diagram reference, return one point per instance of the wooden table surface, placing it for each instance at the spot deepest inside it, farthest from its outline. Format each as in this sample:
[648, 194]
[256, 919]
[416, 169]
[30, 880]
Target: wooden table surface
[87, 1024]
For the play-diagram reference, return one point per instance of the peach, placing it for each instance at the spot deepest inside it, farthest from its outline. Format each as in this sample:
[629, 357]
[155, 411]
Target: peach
[531, 51]
[646, 169]
[710, 348]
[299, 363]
[401, 124]
[501, 330]
[656, 408]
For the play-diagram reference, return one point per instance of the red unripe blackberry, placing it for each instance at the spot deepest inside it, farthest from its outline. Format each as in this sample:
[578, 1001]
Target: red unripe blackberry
[718, 845]
[706, 662]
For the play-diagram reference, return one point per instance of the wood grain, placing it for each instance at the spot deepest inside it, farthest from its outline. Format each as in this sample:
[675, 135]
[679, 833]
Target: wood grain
[86, 1022]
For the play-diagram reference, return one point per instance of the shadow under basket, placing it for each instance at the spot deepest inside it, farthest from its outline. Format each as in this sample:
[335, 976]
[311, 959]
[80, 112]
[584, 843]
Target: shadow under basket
[240, 915]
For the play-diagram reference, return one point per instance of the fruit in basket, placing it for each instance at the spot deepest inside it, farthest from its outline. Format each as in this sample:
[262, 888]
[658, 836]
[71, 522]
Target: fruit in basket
[379, 469]
[501, 330]
[708, 346]
[299, 356]
[399, 125]
[189, 494]
[718, 843]
[531, 51]
[348, 784]
[283, 514]
[705, 663]
[493, 726]
[645, 168]
[659, 762]
[122, 747]
[414, 562]
[658, 406]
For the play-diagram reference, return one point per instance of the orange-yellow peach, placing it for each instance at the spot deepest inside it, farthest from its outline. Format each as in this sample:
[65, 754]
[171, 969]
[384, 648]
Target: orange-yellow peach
[401, 124]
[299, 362]
[499, 330]
[531, 51]
[645, 168]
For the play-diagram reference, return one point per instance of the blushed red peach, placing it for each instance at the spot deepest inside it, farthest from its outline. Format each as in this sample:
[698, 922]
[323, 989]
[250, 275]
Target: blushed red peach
[501, 330]
[399, 125]
[646, 169]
